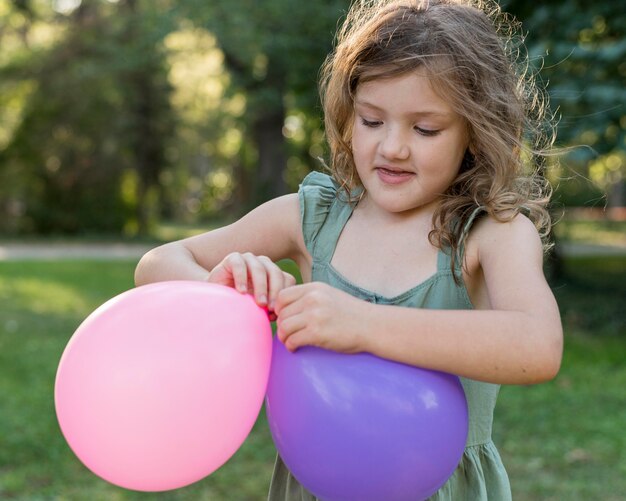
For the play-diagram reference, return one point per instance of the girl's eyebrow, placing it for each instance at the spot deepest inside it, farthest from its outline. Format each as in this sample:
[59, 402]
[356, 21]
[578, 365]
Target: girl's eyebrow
[435, 113]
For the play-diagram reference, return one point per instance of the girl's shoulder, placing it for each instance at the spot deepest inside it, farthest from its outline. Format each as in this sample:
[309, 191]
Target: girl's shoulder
[488, 228]
[492, 239]
[323, 186]
[325, 206]
[490, 235]
[317, 192]
[502, 257]
[321, 180]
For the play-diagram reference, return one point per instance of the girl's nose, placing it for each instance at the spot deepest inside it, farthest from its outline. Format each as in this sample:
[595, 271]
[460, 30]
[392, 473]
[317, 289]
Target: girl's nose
[394, 145]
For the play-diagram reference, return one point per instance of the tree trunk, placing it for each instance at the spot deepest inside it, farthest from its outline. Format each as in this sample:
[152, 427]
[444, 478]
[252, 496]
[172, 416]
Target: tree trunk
[270, 144]
[143, 101]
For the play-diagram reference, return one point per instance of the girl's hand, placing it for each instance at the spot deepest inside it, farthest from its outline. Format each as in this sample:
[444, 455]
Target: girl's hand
[319, 315]
[257, 275]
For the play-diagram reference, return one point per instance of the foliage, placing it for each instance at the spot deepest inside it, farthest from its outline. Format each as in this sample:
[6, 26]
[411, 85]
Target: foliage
[272, 52]
[90, 141]
[581, 50]
[116, 113]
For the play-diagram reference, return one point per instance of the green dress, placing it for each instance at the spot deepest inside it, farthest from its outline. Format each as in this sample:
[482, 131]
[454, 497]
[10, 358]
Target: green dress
[480, 474]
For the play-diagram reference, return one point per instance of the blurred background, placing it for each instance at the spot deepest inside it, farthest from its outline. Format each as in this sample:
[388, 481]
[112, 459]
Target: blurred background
[142, 121]
[117, 115]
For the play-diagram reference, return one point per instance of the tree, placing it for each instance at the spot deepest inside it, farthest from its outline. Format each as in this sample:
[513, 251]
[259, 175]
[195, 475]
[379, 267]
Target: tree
[150, 121]
[90, 143]
[582, 49]
[272, 51]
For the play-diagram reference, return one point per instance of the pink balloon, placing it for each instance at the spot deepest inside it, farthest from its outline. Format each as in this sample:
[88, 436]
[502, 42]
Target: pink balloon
[162, 384]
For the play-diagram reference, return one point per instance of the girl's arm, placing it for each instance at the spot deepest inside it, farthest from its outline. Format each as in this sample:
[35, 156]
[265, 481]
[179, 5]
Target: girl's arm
[240, 255]
[517, 340]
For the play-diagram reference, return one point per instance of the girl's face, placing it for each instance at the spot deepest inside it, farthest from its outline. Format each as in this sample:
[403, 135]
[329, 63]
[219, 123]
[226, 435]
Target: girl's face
[407, 142]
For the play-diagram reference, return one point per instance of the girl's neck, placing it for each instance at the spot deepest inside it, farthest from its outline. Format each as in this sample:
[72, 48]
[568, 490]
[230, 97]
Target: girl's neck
[367, 209]
[377, 247]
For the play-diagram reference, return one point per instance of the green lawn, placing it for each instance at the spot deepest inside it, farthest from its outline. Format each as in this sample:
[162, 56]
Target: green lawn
[42, 304]
[604, 232]
[561, 440]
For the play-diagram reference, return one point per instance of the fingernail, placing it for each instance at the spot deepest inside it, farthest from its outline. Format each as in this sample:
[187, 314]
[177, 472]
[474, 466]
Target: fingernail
[262, 299]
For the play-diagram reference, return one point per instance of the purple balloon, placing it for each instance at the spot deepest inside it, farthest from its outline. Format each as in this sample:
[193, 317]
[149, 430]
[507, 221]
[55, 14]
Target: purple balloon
[358, 427]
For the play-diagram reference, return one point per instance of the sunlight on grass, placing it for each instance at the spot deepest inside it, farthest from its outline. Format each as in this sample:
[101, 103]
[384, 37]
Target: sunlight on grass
[42, 296]
[559, 440]
[42, 305]
[569, 428]
[592, 231]
[168, 232]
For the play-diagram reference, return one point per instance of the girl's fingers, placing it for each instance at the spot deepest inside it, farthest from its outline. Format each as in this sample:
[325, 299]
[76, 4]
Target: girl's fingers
[289, 295]
[288, 310]
[236, 266]
[288, 327]
[289, 279]
[294, 342]
[275, 281]
[258, 275]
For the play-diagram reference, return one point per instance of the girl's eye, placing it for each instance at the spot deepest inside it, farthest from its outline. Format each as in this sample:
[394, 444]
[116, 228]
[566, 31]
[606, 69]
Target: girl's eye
[370, 123]
[426, 132]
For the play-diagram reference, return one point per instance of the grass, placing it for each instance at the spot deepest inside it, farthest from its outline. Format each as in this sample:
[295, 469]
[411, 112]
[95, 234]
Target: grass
[603, 232]
[42, 304]
[565, 439]
[561, 440]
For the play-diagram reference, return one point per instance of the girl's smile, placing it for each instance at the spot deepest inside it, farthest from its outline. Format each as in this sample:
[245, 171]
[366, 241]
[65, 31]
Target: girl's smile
[407, 142]
[393, 175]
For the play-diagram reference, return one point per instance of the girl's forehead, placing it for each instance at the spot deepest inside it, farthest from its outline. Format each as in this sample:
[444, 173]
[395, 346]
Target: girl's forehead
[435, 70]
[415, 89]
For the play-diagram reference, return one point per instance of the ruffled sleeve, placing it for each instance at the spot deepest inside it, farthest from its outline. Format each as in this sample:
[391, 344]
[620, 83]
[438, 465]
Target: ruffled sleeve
[317, 194]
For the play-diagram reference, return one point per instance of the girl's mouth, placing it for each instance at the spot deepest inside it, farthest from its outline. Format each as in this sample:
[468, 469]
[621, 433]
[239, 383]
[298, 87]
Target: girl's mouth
[393, 176]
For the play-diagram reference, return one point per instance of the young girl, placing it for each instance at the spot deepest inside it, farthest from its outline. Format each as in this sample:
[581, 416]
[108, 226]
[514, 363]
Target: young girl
[424, 245]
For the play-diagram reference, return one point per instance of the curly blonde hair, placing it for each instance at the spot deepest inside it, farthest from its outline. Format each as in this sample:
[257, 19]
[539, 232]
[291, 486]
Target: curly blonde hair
[473, 54]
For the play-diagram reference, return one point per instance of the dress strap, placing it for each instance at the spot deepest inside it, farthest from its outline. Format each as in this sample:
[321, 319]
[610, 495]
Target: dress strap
[444, 256]
[466, 230]
[325, 209]
[328, 236]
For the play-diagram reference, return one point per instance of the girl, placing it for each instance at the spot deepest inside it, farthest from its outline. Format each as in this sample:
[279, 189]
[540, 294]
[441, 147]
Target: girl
[424, 245]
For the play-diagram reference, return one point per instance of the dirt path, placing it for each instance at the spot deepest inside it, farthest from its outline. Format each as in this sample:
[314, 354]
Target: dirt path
[55, 251]
[587, 249]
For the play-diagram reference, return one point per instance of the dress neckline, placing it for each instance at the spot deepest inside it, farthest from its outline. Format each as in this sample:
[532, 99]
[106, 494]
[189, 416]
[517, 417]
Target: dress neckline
[372, 296]
[443, 265]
